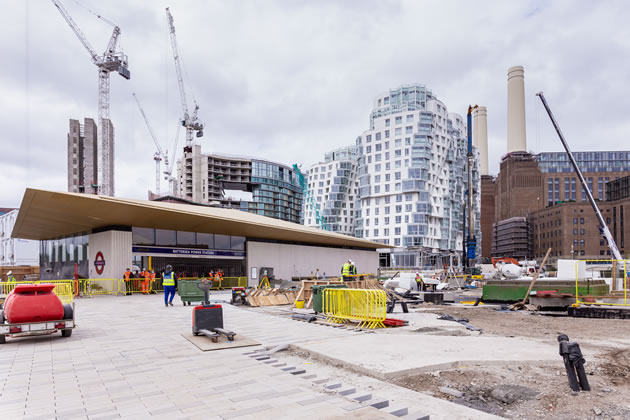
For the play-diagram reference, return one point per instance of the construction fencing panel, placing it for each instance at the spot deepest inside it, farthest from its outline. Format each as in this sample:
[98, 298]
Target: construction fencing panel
[224, 283]
[367, 307]
[64, 289]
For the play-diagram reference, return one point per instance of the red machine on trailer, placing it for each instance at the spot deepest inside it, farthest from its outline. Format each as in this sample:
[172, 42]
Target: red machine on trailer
[33, 309]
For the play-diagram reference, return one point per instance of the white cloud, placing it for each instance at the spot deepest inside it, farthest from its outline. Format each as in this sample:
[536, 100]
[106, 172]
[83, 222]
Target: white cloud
[290, 80]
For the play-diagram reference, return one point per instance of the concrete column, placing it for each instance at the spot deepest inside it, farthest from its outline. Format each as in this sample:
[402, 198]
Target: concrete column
[115, 246]
[481, 137]
[516, 110]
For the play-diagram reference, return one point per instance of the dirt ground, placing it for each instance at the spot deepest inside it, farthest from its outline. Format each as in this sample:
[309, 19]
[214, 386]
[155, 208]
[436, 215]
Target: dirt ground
[540, 390]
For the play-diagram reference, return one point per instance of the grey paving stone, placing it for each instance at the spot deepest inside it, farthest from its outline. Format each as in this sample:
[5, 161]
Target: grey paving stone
[297, 372]
[334, 386]
[362, 397]
[315, 400]
[397, 411]
[238, 413]
[378, 403]
[288, 368]
[346, 391]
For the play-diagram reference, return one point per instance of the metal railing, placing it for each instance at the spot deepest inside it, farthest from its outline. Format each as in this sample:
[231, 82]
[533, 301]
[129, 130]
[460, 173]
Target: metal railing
[617, 283]
[366, 307]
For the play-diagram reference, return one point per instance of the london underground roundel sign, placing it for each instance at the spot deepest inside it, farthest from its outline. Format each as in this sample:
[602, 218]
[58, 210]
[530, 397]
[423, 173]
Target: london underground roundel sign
[99, 262]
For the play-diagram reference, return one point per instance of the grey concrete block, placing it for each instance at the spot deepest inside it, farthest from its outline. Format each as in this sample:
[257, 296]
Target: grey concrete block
[321, 381]
[362, 397]
[289, 368]
[279, 365]
[308, 376]
[298, 372]
[397, 411]
[378, 403]
[346, 391]
[334, 386]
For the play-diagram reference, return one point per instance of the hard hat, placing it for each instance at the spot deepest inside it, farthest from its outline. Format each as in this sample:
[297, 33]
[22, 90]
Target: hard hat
[9, 273]
[349, 260]
[169, 267]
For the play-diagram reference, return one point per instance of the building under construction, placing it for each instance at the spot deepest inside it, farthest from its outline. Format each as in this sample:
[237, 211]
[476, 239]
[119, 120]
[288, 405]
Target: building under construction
[83, 161]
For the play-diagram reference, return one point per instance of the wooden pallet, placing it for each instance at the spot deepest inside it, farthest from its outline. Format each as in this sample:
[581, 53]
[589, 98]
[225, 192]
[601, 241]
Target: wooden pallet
[271, 297]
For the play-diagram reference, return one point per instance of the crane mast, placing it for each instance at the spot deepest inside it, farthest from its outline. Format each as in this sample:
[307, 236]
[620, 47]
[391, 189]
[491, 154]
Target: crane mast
[109, 61]
[159, 154]
[194, 128]
[602, 224]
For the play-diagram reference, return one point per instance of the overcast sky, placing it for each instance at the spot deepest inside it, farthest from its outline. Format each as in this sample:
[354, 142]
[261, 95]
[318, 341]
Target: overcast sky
[290, 80]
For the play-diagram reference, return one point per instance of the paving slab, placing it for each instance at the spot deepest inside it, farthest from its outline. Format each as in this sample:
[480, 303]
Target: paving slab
[392, 356]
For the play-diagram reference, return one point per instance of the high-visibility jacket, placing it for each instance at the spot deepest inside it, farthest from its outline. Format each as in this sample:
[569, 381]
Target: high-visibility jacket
[346, 269]
[12, 279]
[152, 276]
[127, 275]
[169, 279]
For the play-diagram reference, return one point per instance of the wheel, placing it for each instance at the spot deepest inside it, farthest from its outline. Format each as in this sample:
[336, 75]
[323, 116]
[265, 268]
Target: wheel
[67, 311]
[214, 339]
[230, 337]
[66, 333]
[3, 338]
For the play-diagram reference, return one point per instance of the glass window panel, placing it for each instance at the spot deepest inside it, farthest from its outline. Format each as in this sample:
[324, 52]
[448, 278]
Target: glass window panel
[186, 239]
[238, 243]
[142, 236]
[165, 237]
[221, 242]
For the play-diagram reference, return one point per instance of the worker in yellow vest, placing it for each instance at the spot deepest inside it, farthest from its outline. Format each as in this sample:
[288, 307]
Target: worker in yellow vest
[346, 271]
[169, 285]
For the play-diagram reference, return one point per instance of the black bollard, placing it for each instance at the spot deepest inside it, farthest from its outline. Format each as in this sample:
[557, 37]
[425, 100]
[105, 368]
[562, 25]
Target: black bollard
[573, 363]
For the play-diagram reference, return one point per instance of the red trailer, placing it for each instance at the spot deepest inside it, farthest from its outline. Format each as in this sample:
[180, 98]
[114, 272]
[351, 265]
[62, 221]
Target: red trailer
[34, 309]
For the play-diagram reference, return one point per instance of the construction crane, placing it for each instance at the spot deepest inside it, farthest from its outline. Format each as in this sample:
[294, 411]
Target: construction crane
[189, 121]
[159, 154]
[110, 60]
[308, 197]
[603, 228]
[471, 240]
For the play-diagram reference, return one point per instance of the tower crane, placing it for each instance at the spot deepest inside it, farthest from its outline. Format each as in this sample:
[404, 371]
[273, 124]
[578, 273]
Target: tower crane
[159, 154]
[189, 121]
[110, 60]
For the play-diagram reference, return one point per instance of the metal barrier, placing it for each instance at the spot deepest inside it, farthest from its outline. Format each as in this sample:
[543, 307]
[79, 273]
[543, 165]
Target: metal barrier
[616, 283]
[64, 289]
[225, 283]
[139, 285]
[367, 307]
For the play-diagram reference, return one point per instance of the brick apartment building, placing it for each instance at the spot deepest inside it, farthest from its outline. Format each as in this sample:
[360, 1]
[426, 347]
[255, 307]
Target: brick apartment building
[545, 188]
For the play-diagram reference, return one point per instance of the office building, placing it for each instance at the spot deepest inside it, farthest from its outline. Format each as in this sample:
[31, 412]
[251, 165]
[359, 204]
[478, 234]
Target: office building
[84, 160]
[334, 187]
[14, 251]
[249, 184]
[412, 175]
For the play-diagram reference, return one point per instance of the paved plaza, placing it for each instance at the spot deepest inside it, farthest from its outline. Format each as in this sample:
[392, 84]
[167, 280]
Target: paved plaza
[128, 358]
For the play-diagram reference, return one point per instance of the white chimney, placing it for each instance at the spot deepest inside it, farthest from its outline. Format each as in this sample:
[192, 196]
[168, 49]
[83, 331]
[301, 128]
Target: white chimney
[516, 110]
[480, 124]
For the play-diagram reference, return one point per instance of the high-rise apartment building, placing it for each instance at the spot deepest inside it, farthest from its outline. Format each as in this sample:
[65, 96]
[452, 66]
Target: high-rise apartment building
[334, 186]
[83, 157]
[412, 174]
[249, 184]
[84, 160]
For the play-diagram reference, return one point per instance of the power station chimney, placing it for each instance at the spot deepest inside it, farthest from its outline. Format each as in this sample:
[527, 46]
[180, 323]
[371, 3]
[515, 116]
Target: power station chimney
[516, 110]
[480, 125]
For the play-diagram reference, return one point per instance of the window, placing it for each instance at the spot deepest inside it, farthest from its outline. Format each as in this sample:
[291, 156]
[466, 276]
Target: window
[368, 149]
[387, 177]
[581, 231]
[397, 231]
[387, 208]
[165, 237]
[398, 120]
[407, 141]
[378, 147]
[377, 179]
[397, 142]
[398, 198]
[375, 232]
[387, 200]
[575, 231]
[386, 134]
[377, 189]
[398, 209]
[368, 139]
[581, 220]
[377, 136]
[387, 187]
[387, 122]
[398, 131]
[409, 129]
[398, 220]
[408, 207]
[377, 157]
[410, 118]
[575, 220]
[397, 176]
[398, 153]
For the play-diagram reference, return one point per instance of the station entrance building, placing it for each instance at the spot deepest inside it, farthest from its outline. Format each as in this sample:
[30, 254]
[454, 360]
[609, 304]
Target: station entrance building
[102, 236]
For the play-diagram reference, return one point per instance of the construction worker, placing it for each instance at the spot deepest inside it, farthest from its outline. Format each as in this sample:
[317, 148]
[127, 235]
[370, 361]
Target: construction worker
[145, 282]
[169, 285]
[353, 269]
[346, 270]
[6, 289]
[128, 275]
[419, 281]
[219, 278]
[152, 278]
[11, 277]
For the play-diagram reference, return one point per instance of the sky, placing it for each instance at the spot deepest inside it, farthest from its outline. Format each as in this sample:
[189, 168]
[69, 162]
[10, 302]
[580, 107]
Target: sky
[289, 80]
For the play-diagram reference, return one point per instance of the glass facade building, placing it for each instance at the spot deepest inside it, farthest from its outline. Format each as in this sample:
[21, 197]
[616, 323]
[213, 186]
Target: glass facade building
[253, 185]
[334, 186]
[554, 162]
[412, 173]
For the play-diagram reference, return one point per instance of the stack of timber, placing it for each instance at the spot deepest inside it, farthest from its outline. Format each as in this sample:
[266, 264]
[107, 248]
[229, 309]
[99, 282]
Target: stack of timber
[271, 297]
[306, 294]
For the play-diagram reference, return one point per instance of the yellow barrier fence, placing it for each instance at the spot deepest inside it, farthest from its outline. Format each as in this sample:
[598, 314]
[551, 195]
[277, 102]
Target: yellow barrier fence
[225, 283]
[619, 270]
[64, 289]
[367, 307]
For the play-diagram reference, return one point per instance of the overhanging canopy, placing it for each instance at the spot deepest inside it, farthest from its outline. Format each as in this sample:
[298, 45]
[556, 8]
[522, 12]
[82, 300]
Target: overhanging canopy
[50, 215]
